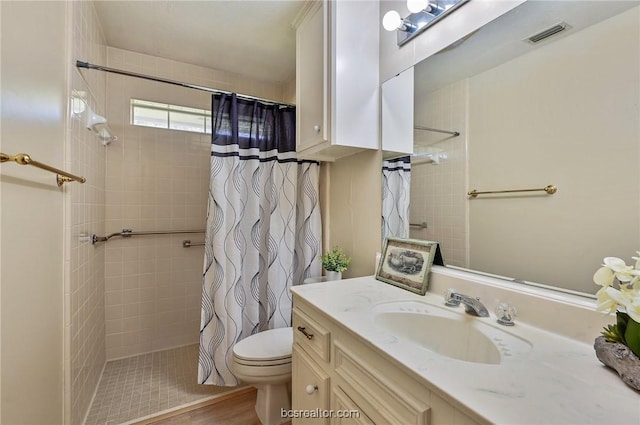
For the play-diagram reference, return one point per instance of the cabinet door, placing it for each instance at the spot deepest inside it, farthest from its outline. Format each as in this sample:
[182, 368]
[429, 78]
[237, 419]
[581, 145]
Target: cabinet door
[397, 113]
[309, 390]
[311, 55]
[382, 393]
[346, 411]
[355, 86]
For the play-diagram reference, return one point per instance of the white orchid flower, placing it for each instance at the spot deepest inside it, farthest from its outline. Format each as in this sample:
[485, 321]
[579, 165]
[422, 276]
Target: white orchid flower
[626, 294]
[635, 283]
[618, 296]
[630, 301]
[616, 264]
[604, 277]
[634, 310]
[605, 302]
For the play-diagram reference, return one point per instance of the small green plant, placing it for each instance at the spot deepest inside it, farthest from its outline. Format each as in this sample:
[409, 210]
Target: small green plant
[335, 260]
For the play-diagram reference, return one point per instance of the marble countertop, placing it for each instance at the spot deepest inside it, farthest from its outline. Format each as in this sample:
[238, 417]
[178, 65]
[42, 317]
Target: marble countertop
[559, 381]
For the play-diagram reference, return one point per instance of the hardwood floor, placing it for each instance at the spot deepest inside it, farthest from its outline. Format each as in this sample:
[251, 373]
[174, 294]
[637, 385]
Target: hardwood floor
[235, 409]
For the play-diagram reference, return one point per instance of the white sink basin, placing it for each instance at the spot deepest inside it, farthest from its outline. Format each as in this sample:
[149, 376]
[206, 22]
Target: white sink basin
[449, 332]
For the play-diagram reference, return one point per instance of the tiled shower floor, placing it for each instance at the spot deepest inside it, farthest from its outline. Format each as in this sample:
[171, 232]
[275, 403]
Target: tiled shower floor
[143, 385]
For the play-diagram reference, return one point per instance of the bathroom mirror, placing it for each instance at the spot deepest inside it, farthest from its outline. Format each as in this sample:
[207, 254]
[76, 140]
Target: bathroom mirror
[546, 94]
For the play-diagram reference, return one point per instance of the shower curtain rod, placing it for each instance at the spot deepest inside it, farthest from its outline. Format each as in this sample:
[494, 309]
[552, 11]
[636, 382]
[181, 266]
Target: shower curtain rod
[80, 64]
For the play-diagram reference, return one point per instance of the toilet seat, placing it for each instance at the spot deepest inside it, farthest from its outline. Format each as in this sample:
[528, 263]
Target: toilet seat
[268, 348]
[265, 363]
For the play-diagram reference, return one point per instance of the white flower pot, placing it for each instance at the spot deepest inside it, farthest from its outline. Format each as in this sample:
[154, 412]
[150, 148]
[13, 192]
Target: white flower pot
[332, 275]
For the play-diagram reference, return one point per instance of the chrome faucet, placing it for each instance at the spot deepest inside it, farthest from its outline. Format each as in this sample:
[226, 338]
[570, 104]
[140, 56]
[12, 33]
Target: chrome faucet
[472, 305]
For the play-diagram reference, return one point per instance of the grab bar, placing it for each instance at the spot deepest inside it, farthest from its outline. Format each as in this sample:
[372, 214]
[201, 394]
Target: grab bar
[550, 189]
[62, 177]
[188, 244]
[126, 233]
[422, 225]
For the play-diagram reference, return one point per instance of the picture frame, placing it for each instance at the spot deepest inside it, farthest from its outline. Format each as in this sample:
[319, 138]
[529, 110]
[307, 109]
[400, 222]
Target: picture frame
[406, 263]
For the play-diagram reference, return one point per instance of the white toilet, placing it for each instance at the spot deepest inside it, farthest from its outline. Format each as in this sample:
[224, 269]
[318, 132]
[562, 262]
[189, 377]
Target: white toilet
[264, 361]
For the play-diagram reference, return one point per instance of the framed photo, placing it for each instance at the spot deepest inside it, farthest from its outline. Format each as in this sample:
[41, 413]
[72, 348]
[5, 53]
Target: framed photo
[406, 263]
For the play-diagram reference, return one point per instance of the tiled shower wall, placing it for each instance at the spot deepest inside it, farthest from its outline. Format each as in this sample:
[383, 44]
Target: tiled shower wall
[438, 191]
[158, 179]
[84, 263]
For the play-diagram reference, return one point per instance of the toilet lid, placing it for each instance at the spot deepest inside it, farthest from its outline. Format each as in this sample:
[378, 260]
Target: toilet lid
[274, 344]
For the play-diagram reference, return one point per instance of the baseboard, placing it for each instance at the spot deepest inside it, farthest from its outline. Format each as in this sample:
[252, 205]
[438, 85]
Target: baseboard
[178, 410]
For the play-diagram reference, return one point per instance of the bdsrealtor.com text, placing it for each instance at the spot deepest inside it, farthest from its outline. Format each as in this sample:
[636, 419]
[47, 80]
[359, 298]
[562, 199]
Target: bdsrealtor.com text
[319, 413]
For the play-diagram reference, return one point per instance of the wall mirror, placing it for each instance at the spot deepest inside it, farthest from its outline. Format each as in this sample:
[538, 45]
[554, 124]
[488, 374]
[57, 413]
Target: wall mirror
[546, 94]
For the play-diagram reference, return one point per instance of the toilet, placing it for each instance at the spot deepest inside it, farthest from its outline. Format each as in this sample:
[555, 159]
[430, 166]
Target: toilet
[264, 361]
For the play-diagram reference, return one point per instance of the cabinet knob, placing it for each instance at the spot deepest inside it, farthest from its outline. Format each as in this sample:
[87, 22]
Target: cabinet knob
[316, 128]
[310, 389]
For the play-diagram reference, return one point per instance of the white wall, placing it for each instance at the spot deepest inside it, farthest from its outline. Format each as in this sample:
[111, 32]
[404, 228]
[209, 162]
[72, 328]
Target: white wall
[34, 110]
[351, 198]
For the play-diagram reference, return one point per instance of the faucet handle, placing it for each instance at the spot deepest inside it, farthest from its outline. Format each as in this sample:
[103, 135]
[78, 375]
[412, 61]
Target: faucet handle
[449, 301]
[506, 312]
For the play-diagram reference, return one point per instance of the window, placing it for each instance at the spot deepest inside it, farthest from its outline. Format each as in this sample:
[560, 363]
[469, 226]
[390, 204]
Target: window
[173, 117]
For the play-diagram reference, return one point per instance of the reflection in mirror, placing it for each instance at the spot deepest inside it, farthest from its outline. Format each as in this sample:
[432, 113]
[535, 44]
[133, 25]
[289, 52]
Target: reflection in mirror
[561, 111]
[396, 187]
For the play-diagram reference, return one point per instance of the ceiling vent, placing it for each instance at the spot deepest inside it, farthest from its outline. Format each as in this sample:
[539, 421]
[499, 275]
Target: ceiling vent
[544, 34]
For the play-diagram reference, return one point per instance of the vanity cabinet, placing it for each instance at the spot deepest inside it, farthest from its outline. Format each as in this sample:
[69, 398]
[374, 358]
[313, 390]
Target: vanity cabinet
[337, 103]
[336, 371]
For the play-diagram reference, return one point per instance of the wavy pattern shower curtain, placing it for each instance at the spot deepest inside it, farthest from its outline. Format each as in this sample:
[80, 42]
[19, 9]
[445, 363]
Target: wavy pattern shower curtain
[396, 188]
[263, 231]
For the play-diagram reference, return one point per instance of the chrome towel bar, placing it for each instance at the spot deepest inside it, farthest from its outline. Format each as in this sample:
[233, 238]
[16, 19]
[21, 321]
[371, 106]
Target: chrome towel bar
[422, 225]
[126, 233]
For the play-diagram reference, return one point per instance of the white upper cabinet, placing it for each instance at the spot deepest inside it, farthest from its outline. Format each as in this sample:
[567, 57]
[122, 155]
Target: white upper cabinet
[397, 113]
[337, 98]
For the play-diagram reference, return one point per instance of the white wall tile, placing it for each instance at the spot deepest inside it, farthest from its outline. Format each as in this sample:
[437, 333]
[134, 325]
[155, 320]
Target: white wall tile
[437, 190]
[87, 262]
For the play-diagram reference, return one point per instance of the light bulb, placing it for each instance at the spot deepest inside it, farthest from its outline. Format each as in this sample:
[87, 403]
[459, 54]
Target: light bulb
[416, 6]
[391, 20]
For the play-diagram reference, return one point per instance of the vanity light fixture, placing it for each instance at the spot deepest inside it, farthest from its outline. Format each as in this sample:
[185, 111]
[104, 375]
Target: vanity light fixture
[423, 14]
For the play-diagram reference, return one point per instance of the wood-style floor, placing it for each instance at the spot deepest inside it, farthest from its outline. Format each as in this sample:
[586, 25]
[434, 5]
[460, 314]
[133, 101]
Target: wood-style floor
[234, 409]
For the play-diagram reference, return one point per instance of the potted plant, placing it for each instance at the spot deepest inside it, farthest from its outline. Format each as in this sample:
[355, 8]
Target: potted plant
[619, 345]
[335, 262]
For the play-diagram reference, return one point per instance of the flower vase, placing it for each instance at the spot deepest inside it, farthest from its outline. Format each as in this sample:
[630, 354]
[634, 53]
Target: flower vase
[333, 275]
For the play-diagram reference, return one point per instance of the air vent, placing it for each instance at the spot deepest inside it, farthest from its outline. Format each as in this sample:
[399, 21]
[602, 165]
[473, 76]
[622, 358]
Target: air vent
[543, 35]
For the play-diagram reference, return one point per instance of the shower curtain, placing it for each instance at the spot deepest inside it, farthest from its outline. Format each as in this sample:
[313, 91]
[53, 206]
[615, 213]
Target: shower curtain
[263, 230]
[396, 184]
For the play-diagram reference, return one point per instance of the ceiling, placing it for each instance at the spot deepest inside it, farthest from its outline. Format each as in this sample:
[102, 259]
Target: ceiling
[249, 37]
